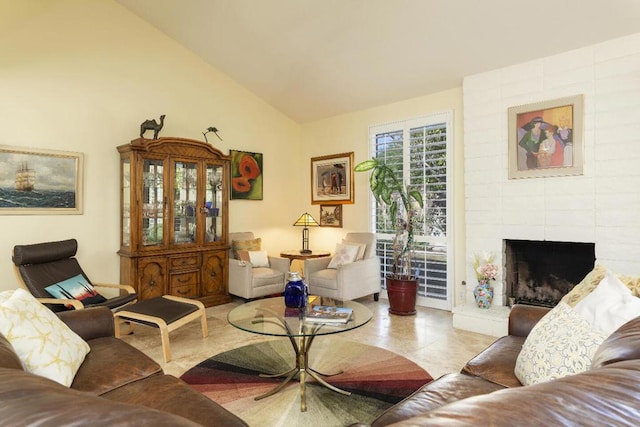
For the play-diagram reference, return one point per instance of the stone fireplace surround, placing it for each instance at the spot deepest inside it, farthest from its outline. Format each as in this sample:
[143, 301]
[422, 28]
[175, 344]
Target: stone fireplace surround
[600, 206]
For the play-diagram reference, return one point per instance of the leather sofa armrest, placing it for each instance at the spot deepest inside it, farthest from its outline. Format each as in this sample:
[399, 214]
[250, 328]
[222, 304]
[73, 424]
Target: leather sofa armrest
[523, 318]
[90, 323]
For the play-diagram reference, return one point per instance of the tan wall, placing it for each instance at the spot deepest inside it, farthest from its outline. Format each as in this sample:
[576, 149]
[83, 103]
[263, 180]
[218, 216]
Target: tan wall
[81, 76]
[349, 132]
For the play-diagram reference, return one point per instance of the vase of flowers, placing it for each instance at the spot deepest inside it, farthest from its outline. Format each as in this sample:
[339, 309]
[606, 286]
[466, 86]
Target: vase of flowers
[486, 271]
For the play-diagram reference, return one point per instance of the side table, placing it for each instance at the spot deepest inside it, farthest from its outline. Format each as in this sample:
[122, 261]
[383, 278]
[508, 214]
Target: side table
[295, 255]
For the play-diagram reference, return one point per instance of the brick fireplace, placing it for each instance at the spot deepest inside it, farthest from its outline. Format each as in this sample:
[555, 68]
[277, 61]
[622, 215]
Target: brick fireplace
[599, 207]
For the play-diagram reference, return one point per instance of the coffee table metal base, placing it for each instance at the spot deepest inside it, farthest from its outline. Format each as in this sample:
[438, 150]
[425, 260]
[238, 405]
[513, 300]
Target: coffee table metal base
[302, 368]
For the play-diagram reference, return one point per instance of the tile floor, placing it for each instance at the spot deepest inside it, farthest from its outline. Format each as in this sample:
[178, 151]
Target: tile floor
[428, 338]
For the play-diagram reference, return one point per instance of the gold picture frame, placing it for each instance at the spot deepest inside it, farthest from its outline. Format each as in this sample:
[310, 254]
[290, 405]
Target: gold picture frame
[40, 182]
[546, 138]
[332, 179]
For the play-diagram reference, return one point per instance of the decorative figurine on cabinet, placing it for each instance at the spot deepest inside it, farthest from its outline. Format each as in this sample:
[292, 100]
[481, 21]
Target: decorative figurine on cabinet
[152, 125]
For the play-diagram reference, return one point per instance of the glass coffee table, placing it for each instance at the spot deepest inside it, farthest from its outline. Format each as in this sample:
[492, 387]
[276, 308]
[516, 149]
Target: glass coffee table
[271, 317]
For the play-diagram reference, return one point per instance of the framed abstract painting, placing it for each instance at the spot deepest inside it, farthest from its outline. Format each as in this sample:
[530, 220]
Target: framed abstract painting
[545, 138]
[246, 175]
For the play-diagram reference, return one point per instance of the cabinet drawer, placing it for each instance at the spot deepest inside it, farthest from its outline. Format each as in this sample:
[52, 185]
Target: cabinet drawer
[187, 291]
[184, 262]
[184, 284]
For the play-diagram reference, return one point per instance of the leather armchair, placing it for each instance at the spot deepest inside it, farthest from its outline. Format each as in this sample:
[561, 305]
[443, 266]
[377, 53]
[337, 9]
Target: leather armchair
[347, 281]
[247, 281]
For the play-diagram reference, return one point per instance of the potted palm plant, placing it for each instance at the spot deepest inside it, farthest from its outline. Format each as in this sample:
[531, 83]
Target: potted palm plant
[400, 203]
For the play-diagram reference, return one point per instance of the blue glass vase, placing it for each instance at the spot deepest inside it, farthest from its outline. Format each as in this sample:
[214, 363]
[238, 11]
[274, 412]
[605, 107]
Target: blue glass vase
[295, 292]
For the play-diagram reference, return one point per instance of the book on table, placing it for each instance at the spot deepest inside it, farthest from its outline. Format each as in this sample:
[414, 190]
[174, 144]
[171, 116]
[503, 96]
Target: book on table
[328, 314]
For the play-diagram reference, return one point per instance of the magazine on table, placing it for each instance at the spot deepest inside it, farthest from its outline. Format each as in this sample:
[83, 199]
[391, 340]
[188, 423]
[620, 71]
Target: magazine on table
[328, 314]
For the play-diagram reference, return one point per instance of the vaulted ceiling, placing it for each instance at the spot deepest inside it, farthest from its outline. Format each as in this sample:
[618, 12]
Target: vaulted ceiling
[313, 59]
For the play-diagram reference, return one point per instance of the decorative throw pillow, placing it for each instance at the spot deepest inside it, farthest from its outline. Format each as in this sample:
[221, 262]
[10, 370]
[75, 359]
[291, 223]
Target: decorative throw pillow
[361, 248]
[610, 305]
[76, 287]
[259, 258]
[244, 255]
[44, 344]
[344, 254]
[247, 245]
[562, 343]
[591, 280]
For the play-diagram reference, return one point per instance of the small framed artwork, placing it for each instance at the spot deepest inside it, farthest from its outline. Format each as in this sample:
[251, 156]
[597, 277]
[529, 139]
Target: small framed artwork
[332, 179]
[40, 182]
[545, 138]
[246, 175]
[331, 215]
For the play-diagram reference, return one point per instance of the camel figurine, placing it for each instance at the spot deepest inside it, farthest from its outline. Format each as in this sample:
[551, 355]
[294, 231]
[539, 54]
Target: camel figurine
[152, 125]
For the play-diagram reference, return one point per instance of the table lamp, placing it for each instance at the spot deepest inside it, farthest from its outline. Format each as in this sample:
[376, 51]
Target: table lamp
[305, 221]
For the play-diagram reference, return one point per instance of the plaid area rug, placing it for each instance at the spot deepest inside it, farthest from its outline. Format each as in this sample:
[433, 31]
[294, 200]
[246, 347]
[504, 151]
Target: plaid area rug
[377, 379]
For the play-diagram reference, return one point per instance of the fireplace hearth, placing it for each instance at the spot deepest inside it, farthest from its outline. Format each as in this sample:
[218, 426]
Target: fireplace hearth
[542, 272]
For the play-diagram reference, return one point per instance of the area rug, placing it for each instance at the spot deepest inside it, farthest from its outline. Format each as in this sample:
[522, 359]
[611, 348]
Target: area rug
[377, 379]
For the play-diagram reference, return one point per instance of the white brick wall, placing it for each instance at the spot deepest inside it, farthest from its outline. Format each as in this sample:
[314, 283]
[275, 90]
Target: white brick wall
[603, 204]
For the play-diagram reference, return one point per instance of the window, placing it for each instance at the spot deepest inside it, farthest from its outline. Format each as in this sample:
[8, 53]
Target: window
[419, 150]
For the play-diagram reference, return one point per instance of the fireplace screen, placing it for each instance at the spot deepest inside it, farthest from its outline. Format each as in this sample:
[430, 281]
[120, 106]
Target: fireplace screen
[542, 272]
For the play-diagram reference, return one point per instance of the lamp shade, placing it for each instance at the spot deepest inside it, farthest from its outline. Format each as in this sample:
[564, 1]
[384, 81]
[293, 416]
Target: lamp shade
[306, 220]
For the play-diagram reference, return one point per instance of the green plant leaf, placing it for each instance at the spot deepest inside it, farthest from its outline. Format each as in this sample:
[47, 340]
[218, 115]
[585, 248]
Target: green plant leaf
[417, 196]
[366, 165]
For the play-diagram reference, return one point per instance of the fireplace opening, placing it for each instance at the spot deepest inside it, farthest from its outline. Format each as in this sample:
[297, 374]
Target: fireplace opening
[542, 272]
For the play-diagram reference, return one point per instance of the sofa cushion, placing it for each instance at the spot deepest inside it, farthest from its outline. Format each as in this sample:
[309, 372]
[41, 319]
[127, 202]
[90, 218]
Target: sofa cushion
[446, 389]
[325, 279]
[110, 364]
[497, 362]
[562, 343]
[173, 395]
[31, 400]
[600, 397]
[44, 344]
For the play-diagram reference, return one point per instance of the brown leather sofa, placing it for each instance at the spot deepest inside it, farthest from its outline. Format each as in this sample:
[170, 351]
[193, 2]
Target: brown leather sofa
[117, 385]
[487, 393]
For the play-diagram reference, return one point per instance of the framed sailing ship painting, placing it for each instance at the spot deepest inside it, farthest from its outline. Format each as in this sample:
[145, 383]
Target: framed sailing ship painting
[38, 181]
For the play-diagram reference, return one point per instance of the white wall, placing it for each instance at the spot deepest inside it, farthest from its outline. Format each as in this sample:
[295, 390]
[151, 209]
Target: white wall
[349, 132]
[81, 76]
[599, 206]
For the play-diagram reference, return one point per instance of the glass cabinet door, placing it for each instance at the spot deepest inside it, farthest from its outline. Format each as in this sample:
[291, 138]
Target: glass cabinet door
[153, 201]
[185, 202]
[125, 201]
[213, 204]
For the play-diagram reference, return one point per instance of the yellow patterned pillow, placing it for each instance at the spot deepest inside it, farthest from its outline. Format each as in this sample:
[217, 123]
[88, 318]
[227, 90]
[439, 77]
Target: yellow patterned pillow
[44, 344]
[245, 245]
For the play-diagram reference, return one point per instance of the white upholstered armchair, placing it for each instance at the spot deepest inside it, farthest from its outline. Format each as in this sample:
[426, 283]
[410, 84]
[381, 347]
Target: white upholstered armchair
[266, 275]
[346, 275]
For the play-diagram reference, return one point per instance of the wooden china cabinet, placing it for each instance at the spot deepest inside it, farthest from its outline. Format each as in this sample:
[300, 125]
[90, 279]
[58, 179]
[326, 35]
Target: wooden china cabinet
[174, 222]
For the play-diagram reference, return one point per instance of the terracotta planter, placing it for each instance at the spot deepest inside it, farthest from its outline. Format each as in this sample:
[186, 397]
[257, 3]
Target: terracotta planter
[402, 296]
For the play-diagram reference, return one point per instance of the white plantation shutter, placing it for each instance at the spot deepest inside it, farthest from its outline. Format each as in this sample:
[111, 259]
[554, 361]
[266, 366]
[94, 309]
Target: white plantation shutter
[419, 150]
